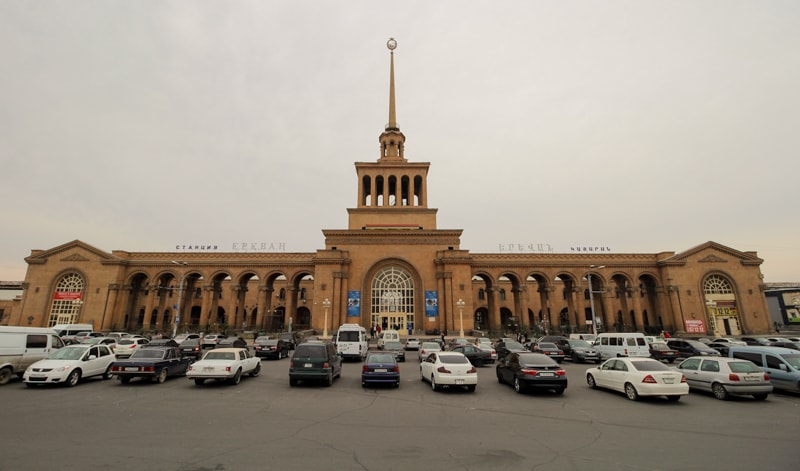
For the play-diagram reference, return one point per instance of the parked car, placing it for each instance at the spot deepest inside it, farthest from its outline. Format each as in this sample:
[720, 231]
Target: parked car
[427, 348]
[70, 364]
[110, 341]
[231, 342]
[550, 349]
[661, 351]
[152, 362]
[726, 376]
[20, 347]
[396, 349]
[721, 347]
[211, 340]
[224, 364]
[412, 343]
[727, 340]
[475, 355]
[381, 368]
[118, 335]
[781, 364]
[126, 346]
[290, 339]
[527, 371]
[315, 362]
[690, 348]
[456, 342]
[504, 347]
[578, 351]
[786, 344]
[755, 341]
[448, 369]
[180, 338]
[486, 345]
[637, 377]
[266, 347]
[191, 348]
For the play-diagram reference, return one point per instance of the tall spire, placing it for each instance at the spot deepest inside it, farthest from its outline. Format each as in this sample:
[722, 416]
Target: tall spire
[391, 44]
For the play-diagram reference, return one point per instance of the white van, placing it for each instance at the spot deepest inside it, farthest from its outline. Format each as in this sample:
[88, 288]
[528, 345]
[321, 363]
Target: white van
[65, 330]
[621, 344]
[781, 364]
[588, 337]
[352, 342]
[20, 347]
[387, 336]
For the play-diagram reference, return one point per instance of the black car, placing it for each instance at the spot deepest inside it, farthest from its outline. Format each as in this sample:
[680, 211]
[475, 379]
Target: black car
[786, 344]
[266, 347]
[315, 361]
[231, 342]
[721, 347]
[578, 351]
[475, 355]
[691, 348]
[505, 347]
[661, 351]
[289, 339]
[191, 348]
[531, 370]
[757, 341]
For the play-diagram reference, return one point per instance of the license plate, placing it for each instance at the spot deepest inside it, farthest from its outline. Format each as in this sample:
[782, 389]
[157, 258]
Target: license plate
[546, 373]
[34, 375]
[459, 381]
[307, 365]
[208, 368]
[131, 368]
[752, 378]
[669, 380]
[381, 370]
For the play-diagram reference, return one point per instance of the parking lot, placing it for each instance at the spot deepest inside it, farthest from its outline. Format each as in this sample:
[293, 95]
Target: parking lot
[262, 423]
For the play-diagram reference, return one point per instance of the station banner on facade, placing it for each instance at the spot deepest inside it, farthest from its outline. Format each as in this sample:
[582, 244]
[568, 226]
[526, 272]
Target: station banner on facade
[431, 303]
[695, 326]
[354, 304]
[67, 295]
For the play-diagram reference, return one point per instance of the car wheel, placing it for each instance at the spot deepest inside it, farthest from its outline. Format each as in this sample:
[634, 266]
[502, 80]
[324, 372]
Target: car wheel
[630, 391]
[719, 391]
[518, 386]
[124, 380]
[671, 360]
[434, 386]
[256, 371]
[5, 376]
[559, 391]
[199, 381]
[597, 362]
[759, 397]
[499, 377]
[674, 398]
[292, 382]
[421, 375]
[73, 378]
[162, 375]
[236, 377]
[329, 380]
[107, 374]
[397, 384]
[471, 387]
[591, 382]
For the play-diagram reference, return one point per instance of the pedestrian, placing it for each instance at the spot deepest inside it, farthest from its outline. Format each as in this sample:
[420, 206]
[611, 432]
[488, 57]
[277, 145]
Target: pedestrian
[372, 332]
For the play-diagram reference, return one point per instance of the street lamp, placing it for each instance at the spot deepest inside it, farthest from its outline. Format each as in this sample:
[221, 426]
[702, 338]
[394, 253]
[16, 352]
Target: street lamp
[177, 316]
[591, 297]
[326, 304]
[76, 309]
[460, 303]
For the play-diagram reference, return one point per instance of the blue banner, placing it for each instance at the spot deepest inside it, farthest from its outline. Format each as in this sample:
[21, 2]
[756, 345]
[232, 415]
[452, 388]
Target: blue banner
[354, 304]
[431, 303]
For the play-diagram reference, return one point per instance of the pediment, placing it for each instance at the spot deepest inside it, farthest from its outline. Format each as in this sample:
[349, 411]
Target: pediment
[75, 251]
[713, 252]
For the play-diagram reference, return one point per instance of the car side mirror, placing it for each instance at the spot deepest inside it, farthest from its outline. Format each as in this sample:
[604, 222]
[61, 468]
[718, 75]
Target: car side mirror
[94, 357]
[783, 367]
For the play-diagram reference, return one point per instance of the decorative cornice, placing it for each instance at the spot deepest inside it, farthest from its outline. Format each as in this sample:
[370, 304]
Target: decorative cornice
[76, 257]
[712, 258]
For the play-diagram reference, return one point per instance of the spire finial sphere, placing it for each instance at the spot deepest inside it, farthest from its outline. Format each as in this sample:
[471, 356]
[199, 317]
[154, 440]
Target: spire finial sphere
[391, 44]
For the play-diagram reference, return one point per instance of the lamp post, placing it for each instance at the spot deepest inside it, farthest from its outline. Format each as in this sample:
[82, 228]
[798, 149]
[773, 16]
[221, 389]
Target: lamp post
[591, 297]
[326, 304]
[76, 309]
[712, 315]
[177, 316]
[460, 303]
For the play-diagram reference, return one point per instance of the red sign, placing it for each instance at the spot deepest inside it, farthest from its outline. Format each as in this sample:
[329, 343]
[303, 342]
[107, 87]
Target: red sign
[67, 295]
[695, 326]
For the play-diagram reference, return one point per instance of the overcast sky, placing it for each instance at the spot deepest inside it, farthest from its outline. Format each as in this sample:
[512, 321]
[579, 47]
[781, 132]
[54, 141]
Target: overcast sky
[635, 125]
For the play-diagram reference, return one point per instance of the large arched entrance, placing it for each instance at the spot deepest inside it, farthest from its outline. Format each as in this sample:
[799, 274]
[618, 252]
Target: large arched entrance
[392, 299]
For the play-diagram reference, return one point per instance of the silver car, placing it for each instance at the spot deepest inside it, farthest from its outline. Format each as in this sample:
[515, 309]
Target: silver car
[726, 376]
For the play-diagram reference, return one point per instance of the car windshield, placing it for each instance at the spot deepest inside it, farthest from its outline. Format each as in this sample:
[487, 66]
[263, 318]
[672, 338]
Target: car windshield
[513, 345]
[743, 367]
[659, 346]
[430, 346]
[349, 336]
[148, 353]
[579, 343]
[793, 360]
[453, 359]
[310, 351]
[380, 358]
[67, 353]
[262, 339]
[549, 346]
[393, 346]
[536, 359]
[218, 356]
[126, 342]
[696, 344]
[650, 365]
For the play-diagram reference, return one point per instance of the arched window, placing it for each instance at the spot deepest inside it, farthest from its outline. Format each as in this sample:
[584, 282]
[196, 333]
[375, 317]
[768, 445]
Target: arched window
[392, 291]
[67, 300]
[716, 284]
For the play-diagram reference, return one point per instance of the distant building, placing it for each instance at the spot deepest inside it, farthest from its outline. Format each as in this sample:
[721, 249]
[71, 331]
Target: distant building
[783, 301]
[392, 266]
[10, 296]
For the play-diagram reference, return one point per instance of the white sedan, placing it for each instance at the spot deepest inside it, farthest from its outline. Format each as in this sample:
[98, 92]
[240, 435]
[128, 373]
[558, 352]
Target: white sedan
[70, 364]
[227, 364]
[448, 369]
[638, 377]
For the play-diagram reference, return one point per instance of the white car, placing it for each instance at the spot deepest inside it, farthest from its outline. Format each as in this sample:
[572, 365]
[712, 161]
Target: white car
[227, 364]
[448, 369]
[638, 377]
[427, 348]
[70, 364]
[126, 346]
[729, 341]
[412, 343]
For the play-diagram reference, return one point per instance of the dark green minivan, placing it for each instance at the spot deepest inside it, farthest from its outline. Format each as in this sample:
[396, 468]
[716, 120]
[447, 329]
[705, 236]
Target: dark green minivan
[315, 361]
